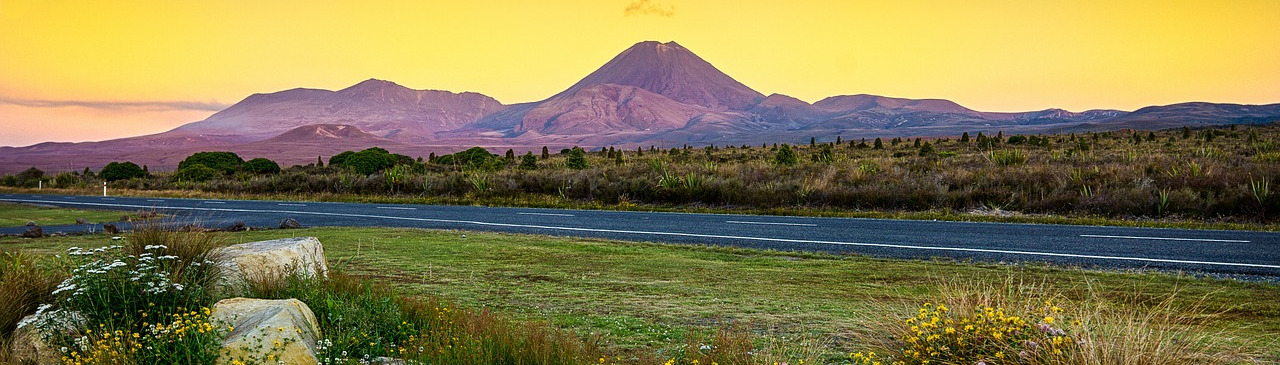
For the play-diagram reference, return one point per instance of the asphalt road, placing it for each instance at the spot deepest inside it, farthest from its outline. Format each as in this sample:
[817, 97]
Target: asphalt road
[1207, 251]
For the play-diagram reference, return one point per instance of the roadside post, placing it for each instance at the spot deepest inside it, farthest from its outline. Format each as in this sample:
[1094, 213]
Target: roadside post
[104, 188]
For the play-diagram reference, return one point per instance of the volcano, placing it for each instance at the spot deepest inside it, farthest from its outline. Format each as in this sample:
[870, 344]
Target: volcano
[653, 93]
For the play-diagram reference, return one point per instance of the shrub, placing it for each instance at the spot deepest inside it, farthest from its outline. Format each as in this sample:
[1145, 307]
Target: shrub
[1007, 157]
[261, 166]
[785, 156]
[339, 159]
[528, 162]
[577, 159]
[122, 171]
[224, 162]
[195, 173]
[474, 158]
[24, 287]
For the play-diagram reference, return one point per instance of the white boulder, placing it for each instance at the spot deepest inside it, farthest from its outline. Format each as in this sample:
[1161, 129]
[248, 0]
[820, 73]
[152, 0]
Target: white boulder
[272, 259]
[267, 331]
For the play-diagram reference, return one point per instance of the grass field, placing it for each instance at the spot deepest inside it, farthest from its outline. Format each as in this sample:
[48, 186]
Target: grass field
[19, 214]
[643, 297]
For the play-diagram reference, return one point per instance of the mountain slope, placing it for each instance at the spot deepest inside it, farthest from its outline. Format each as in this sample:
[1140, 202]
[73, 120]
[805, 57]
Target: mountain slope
[382, 108]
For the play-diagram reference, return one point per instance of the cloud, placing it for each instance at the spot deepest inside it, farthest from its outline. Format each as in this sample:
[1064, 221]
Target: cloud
[646, 7]
[115, 105]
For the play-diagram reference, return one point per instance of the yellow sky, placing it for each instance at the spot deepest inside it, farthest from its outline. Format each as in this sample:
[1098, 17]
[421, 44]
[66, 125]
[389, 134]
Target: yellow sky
[92, 70]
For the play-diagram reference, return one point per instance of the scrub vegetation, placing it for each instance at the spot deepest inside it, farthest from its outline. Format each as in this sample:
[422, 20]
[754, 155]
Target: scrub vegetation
[1210, 177]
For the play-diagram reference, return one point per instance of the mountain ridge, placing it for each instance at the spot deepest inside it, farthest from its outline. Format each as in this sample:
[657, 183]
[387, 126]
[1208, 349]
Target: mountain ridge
[652, 93]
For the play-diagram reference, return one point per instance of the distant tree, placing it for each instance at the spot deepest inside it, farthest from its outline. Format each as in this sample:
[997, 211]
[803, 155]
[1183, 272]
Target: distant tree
[917, 145]
[30, 176]
[617, 158]
[964, 138]
[87, 173]
[195, 173]
[545, 153]
[813, 141]
[122, 171]
[838, 141]
[926, 149]
[639, 151]
[528, 162]
[785, 156]
[577, 159]
[319, 162]
[511, 155]
[224, 162]
[879, 145]
[1186, 132]
[261, 165]
[476, 158]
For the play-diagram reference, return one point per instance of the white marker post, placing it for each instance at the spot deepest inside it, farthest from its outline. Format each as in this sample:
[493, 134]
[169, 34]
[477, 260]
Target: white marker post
[104, 188]
[39, 184]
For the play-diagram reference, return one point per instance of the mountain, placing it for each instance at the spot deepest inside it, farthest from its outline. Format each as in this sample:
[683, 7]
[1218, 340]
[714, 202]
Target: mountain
[652, 93]
[382, 108]
[649, 88]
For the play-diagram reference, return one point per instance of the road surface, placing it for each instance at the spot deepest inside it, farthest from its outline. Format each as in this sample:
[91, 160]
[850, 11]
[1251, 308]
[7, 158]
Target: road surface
[1207, 251]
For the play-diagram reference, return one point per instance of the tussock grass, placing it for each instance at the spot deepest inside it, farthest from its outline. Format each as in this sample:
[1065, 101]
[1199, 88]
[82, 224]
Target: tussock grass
[1096, 327]
[24, 286]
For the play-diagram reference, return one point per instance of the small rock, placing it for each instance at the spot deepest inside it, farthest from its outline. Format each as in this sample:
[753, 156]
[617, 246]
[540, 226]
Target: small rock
[125, 218]
[28, 338]
[33, 232]
[256, 322]
[110, 228]
[289, 223]
[31, 223]
[237, 226]
[81, 221]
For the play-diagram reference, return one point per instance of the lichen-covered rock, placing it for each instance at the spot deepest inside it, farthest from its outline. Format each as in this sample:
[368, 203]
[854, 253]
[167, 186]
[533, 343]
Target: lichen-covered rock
[290, 223]
[265, 260]
[267, 331]
[30, 337]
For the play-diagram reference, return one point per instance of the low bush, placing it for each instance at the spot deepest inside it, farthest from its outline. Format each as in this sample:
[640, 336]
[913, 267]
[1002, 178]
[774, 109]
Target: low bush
[363, 321]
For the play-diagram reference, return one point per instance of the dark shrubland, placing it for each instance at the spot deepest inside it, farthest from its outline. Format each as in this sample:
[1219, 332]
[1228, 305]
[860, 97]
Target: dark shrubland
[1206, 174]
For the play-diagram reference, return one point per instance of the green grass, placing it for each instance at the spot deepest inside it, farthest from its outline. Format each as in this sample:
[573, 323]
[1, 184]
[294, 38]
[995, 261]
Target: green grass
[643, 297]
[19, 214]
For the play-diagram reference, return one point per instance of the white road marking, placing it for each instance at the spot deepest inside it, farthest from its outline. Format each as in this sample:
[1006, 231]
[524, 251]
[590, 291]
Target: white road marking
[699, 235]
[214, 202]
[108, 198]
[550, 214]
[292, 205]
[774, 223]
[1162, 238]
[398, 208]
[155, 200]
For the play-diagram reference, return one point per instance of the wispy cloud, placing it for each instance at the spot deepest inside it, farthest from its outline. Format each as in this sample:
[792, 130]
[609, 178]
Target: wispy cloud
[646, 7]
[116, 105]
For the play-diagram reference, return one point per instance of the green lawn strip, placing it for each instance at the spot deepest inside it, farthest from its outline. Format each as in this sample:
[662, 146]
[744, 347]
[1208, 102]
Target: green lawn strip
[19, 214]
[547, 201]
[642, 297]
